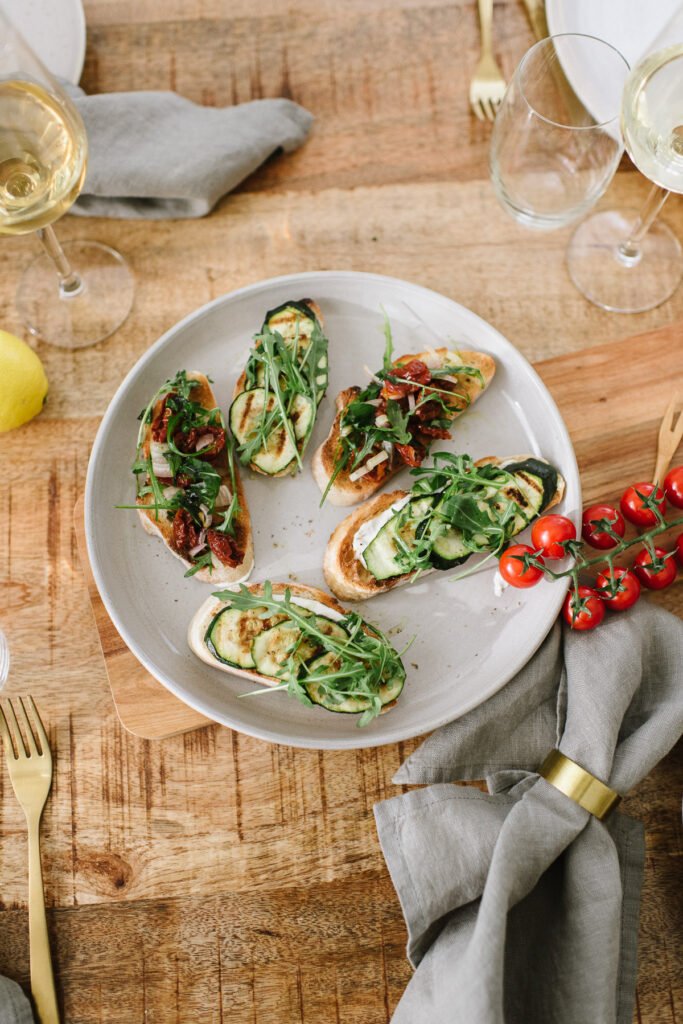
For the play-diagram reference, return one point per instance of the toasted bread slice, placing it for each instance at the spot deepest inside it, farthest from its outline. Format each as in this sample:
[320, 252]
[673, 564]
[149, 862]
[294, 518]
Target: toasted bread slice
[283, 320]
[315, 599]
[347, 576]
[159, 524]
[345, 491]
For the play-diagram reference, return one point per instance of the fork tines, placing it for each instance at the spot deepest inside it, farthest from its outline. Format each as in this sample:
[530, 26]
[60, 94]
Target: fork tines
[22, 738]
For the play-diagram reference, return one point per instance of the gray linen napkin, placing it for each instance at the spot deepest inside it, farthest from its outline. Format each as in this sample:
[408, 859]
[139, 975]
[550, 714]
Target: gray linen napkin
[156, 154]
[14, 1006]
[521, 906]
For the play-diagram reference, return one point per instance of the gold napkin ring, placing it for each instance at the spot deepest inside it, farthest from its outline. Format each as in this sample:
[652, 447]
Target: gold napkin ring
[578, 784]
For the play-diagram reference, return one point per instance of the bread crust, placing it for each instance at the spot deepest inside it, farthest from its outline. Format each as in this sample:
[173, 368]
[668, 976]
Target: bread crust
[240, 386]
[162, 528]
[202, 618]
[345, 492]
[347, 577]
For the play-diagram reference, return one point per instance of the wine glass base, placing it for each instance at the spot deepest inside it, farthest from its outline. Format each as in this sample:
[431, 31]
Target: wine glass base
[88, 315]
[614, 282]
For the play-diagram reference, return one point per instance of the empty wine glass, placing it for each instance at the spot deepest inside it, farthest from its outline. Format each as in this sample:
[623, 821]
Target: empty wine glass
[554, 151]
[620, 260]
[78, 293]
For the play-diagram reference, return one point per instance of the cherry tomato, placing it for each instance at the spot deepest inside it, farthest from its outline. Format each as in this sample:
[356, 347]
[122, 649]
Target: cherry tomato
[678, 548]
[632, 504]
[511, 567]
[591, 610]
[673, 486]
[593, 535]
[628, 592]
[654, 579]
[547, 535]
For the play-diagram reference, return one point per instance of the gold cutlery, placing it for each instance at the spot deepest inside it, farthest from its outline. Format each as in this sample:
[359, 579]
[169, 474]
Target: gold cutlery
[535, 10]
[29, 763]
[670, 435]
[487, 87]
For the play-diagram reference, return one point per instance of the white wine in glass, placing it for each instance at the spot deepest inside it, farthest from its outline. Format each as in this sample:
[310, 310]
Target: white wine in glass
[628, 263]
[79, 293]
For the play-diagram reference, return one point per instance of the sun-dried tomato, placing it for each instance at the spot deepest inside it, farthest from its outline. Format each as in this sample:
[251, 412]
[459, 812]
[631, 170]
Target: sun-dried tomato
[218, 445]
[411, 454]
[183, 480]
[224, 548]
[415, 373]
[425, 430]
[187, 441]
[160, 421]
[185, 533]
[414, 370]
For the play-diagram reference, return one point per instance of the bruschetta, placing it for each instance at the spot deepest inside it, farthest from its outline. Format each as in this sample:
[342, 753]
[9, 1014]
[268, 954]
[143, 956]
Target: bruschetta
[276, 398]
[392, 422]
[299, 639]
[455, 509]
[189, 491]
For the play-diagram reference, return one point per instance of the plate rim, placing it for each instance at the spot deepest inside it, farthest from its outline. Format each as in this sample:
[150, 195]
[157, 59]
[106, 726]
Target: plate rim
[366, 738]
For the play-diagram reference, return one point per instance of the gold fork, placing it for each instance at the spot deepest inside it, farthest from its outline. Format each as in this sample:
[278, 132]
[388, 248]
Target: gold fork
[29, 763]
[487, 87]
[670, 435]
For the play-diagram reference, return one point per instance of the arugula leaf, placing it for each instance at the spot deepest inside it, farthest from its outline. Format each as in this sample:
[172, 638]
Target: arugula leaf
[388, 344]
[285, 369]
[399, 423]
[203, 561]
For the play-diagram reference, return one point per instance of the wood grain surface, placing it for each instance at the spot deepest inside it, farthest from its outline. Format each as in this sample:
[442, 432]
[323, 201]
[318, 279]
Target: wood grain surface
[212, 877]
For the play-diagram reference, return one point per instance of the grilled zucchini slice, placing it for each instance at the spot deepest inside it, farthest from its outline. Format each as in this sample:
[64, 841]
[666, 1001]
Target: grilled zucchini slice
[271, 649]
[230, 635]
[293, 321]
[381, 556]
[248, 411]
[332, 700]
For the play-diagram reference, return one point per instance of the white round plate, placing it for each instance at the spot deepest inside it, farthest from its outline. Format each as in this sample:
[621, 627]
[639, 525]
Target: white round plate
[631, 26]
[55, 30]
[467, 642]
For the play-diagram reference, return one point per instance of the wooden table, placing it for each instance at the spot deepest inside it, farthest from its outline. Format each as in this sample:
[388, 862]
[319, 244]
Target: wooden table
[213, 877]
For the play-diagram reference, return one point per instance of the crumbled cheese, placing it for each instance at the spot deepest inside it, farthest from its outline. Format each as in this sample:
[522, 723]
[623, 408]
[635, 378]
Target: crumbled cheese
[499, 584]
[376, 460]
[358, 473]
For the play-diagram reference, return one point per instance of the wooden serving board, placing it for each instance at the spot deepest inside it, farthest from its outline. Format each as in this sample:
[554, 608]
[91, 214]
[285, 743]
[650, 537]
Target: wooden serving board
[612, 398]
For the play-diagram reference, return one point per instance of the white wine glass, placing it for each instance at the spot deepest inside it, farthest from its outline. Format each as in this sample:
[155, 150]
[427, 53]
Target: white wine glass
[552, 154]
[80, 292]
[623, 261]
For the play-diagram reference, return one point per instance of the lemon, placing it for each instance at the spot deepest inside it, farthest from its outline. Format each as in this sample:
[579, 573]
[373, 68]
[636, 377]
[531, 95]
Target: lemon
[23, 384]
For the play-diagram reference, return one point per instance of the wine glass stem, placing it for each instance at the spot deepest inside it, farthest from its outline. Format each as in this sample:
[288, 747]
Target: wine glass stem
[70, 283]
[629, 250]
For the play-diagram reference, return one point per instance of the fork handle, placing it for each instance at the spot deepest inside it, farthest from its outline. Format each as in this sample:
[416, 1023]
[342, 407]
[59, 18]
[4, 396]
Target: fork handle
[42, 978]
[485, 20]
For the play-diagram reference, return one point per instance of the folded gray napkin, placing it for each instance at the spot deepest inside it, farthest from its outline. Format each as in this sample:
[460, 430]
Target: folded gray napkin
[14, 1006]
[155, 154]
[521, 906]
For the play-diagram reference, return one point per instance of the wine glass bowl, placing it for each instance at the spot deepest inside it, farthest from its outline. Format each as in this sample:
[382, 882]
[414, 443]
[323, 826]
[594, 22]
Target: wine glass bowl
[43, 152]
[553, 153]
[74, 294]
[625, 261]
